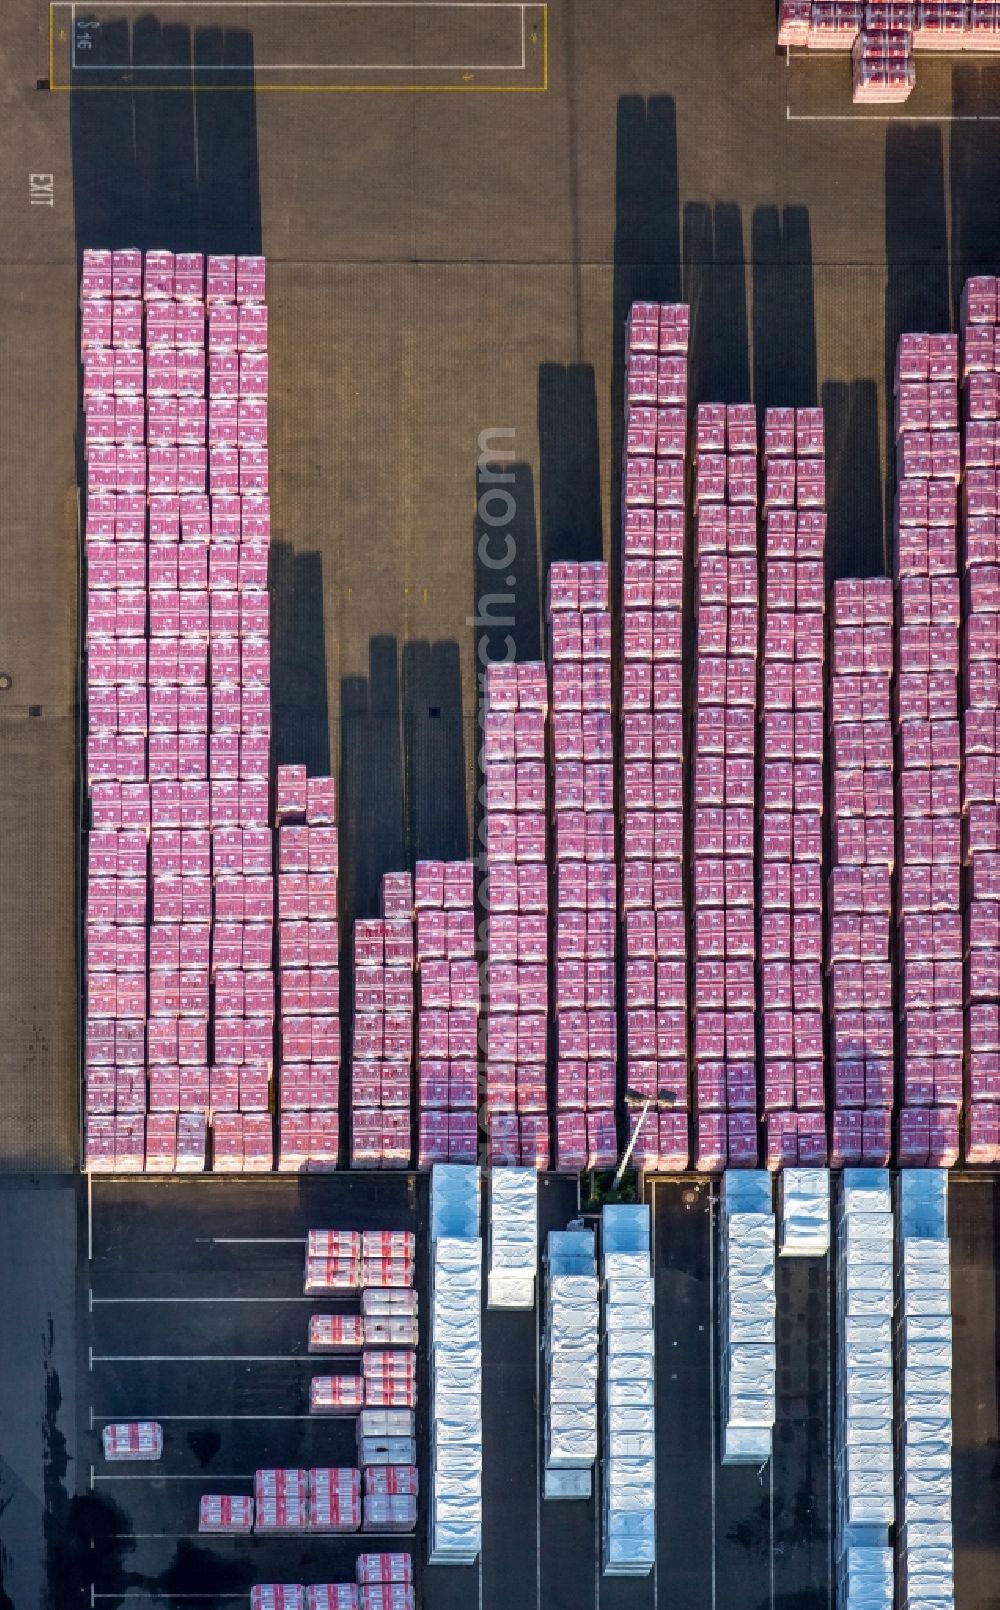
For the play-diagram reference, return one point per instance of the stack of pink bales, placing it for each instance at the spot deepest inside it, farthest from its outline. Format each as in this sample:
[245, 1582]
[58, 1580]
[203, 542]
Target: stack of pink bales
[516, 819]
[724, 750]
[382, 1055]
[929, 795]
[652, 730]
[792, 732]
[448, 1014]
[859, 892]
[309, 958]
[583, 800]
[178, 707]
[981, 703]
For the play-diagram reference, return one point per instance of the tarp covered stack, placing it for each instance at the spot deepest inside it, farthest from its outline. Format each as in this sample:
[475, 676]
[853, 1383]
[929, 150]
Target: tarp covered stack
[513, 1243]
[747, 1347]
[628, 1507]
[456, 1519]
[571, 1363]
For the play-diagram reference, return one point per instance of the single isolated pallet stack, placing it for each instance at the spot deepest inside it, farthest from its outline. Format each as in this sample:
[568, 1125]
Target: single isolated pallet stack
[790, 819]
[585, 875]
[382, 1048]
[514, 754]
[859, 890]
[651, 738]
[448, 1015]
[929, 792]
[724, 787]
[981, 712]
[309, 958]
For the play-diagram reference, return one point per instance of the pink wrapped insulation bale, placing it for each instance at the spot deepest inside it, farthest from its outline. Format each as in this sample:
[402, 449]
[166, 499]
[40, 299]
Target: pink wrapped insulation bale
[225, 1513]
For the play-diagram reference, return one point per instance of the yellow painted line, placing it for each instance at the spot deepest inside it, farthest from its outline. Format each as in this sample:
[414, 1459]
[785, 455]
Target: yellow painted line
[299, 89]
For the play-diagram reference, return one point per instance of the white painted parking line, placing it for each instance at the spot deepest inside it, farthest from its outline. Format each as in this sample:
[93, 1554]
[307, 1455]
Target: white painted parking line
[166, 1475]
[517, 6]
[200, 1418]
[251, 1240]
[108, 1301]
[241, 1538]
[770, 1505]
[196, 1358]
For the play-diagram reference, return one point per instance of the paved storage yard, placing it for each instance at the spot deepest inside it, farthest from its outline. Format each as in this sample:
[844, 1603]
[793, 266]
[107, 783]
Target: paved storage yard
[443, 267]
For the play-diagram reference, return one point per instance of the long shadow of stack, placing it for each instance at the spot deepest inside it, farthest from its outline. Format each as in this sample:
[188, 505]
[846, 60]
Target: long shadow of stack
[436, 815]
[715, 286]
[177, 168]
[569, 486]
[784, 314]
[974, 165]
[371, 781]
[917, 293]
[647, 249]
[300, 714]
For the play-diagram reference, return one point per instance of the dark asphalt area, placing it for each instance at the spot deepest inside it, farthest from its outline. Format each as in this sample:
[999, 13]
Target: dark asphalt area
[440, 266]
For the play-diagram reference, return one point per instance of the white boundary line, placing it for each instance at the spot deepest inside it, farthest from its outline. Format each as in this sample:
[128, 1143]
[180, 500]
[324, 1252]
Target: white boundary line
[253, 1240]
[241, 1537]
[115, 1301]
[198, 1358]
[112, 1419]
[311, 67]
[163, 1475]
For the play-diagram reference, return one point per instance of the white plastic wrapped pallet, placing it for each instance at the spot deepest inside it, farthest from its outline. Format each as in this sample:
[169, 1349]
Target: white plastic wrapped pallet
[628, 1484]
[456, 1367]
[863, 1449]
[924, 1362]
[571, 1353]
[513, 1238]
[804, 1212]
[747, 1316]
